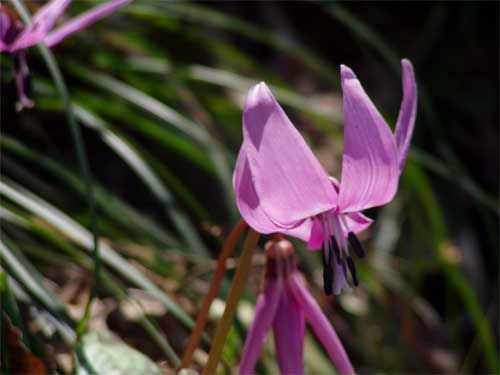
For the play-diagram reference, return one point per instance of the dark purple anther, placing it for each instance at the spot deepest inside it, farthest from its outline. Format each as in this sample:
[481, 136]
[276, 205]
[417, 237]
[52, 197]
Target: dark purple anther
[356, 245]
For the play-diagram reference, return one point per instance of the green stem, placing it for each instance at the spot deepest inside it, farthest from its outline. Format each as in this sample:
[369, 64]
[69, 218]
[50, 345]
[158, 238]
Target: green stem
[76, 135]
[237, 287]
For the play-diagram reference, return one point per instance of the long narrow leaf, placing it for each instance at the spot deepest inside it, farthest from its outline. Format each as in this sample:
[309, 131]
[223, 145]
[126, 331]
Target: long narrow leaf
[32, 282]
[149, 104]
[83, 238]
[147, 175]
[117, 209]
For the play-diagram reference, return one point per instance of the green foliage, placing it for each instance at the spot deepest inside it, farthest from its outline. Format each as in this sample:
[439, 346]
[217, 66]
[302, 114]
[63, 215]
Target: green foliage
[121, 174]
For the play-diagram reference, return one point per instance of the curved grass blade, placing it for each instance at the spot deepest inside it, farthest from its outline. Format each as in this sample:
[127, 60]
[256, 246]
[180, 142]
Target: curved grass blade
[107, 280]
[177, 185]
[418, 182]
[169, 138]
[10, 308]
[32, 282]
[80, 152]
[83, 238]
[363, 32]
[169, 116]
[236, 82]
[202, 14]
[117, 209]
[437, 166]
[146, 174]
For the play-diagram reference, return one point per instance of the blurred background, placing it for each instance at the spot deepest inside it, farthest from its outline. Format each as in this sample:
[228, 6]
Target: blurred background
[157, 89]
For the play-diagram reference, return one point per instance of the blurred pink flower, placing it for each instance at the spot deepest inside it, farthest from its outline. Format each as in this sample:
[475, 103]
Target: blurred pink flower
[280, 186]
[285, 305]
[16, 37]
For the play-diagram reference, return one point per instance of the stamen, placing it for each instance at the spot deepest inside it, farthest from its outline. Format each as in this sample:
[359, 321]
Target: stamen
[336, 248]
[352, 268]
[327, 269]
[344, 270]
[356, 245]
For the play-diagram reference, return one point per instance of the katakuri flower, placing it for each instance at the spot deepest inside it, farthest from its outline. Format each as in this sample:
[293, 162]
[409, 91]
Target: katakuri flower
[281, 187]
[15, 37]
[285, 304]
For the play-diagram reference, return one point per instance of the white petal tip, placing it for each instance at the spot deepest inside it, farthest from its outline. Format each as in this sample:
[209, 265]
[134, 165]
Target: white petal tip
[258, 95]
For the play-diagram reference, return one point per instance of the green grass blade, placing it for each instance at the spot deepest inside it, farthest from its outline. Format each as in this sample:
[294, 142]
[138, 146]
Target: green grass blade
[83, 238]
[419, 183]
[80, 152]
[107, 280]
[236, 82]
[363, 32]
[32, 282]
[171, 117]
[202, 14]
[117, 209]
[147, 175]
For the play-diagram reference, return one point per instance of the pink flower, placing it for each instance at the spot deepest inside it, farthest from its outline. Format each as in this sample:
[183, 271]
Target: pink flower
[285, 305]
[281, 187]
[15, 37]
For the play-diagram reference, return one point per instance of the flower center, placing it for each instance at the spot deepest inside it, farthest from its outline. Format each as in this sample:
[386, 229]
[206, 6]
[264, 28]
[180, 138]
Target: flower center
[337, 260]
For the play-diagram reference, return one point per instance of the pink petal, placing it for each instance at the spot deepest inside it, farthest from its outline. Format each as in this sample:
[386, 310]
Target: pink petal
[317, 236]
[9, 30]
[370, 170]
[265, 311]
[249, 205]
[320, 325]
[41, 24]
[289, 329]
[356, 222]
[84, 20]
[289, 181]
[248, 202]
[407, 113]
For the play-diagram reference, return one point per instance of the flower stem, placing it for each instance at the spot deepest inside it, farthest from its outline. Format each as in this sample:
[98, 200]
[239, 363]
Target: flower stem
[201, 320]
[232, 301]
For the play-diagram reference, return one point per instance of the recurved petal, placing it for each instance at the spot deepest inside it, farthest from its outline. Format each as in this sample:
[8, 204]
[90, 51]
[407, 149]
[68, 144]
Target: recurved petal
[289, 328]
[265, 311]
[407, 112]
[84, 20]
[370, 170]
[356, 222]
[41, 24]
[320, 325]
[289, 181]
